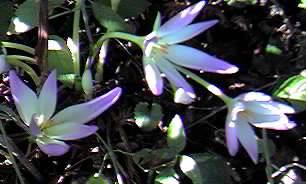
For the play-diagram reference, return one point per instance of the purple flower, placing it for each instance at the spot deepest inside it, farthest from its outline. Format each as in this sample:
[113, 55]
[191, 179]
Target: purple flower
[162, 52]
[50, 130]
[259, 110]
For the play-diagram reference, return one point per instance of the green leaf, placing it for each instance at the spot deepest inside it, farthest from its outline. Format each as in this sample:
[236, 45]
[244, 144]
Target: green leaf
[176, 137]
[59, 56]
[147, 118]
[190, 168]
[6, 13]
[100, 179]
[127, 8]
[221, 172]
[272, 49]
[67, 79]
[27, 15]
[167, 176]
[108, 18]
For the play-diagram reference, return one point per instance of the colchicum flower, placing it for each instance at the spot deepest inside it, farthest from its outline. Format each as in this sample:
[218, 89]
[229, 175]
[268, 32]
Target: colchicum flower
[162, 53]
[259, 110]
[50, 131]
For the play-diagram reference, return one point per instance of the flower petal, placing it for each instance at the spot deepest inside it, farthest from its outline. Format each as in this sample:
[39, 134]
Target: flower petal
[283, 107]
[69, 131]
[157, 22]
[254, 96]
[173, 75]
[231, 136]
[85, 112]
[247, 138]
[25, 99]
[4, 67]
[282, 123]
[182, 19]
[198, 60]
[187, 32]
[48, 96]
[263, 108]
[183, 97]
[153, 78]
[52, 147]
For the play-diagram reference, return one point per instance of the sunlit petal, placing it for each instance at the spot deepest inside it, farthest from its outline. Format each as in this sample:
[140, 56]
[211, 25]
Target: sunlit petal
[187, 32]
[70, 131]
[183, 97]
[196, 59]
[48, 96]
[254, 96]
[281, 124]
[52, 147]
[231, 136]
[25, 99]
[153, 78]
[247, 138]
[283, 107]
[265, 108]
[85, 112]
[182, 19]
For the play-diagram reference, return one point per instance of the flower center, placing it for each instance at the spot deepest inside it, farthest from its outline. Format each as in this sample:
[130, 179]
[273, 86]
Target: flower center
[152, 45]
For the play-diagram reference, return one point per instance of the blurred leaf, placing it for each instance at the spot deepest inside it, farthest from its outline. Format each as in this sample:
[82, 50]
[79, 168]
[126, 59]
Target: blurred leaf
[147, 118]
[271, 146]
[67, 79]
[108, 18]
[272, 49]
[176, 137]
[190, 168]
[127, 8]
[167, 176]
[59, 56]
[98, 180]
[294, 91]
[27, 15]
[6, 13]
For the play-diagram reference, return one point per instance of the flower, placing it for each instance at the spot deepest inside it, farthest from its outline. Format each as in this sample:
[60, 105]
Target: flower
[259, 110]
[162, 52]
[50, 131]
[4, 67]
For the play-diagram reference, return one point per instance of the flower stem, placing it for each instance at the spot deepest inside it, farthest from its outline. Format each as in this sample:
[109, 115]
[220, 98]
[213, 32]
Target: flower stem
[267, 156]
[10, 151]
[210, 87]
[22, 47]
[75, 38]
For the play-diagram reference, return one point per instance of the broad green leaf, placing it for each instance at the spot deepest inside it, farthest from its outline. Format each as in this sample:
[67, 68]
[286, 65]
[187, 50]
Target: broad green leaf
[108, 18]
[272, 49]
[190, 168]
[100, 179]
[27, 15]
[221, 172]
[6, 13]
[127, 8]
[147, 118]
[176, 137]
[167, 176]
[59, 56]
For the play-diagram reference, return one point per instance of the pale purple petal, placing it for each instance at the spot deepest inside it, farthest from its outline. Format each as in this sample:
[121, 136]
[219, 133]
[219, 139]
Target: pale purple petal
[187, 32]
[85, 112]
[198, 60]
[173, 75]
[52, 147]
[153, 78]
[48, 96]
[70, 131]
[282, 123]
[254, 96]
[283, 107]
[247, 138]
[25, 99]
[34, 128]
[182, 19]
[264, 108]
[231, 136]
[4, 67]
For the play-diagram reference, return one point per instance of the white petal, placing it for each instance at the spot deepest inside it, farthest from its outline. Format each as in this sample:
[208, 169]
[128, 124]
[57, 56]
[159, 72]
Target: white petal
[85, 112]
[52, 147]
[153, 78]
[25, 99]
[69, 131]
[231, 136]
[187, 32]
[264, 108]
[282, 123]
[198, 60]
[183, 97]
[247, 138]
[48, 96]
[254, 96]
[87, 82]
[283, 107]
[182, 19]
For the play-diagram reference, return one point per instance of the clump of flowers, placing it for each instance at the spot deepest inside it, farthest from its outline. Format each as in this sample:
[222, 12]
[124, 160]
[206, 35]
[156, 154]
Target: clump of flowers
[50, 131]
[259, 110]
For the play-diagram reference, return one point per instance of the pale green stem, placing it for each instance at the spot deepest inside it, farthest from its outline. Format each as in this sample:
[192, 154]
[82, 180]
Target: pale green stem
[102, 44]
[112, 157]
[210, 87]
[26, 68]
[76, 39]
[23, 58]
[19, 46]
[267, 156]
[10, 151]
